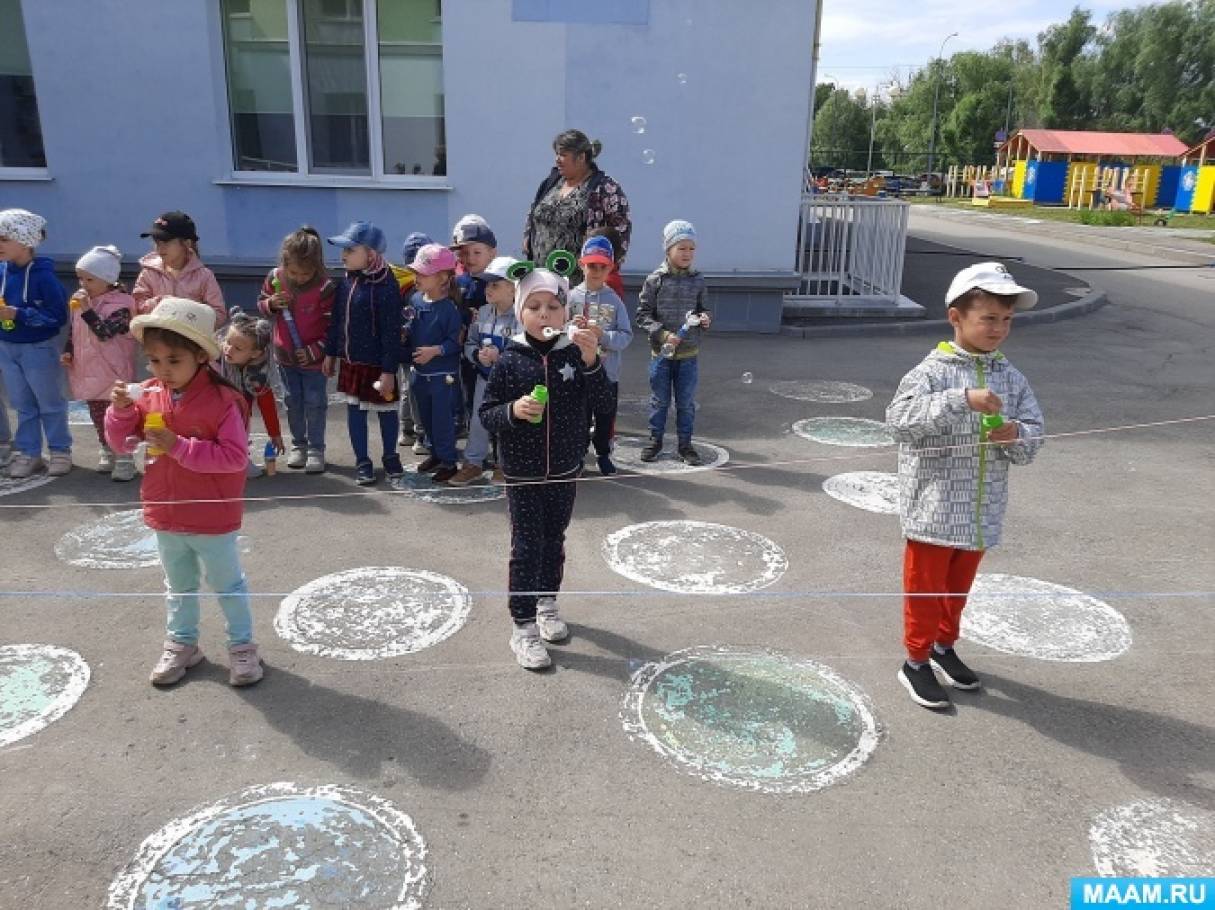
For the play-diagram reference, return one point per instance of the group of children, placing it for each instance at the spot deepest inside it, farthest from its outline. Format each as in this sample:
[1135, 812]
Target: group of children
[533, 367]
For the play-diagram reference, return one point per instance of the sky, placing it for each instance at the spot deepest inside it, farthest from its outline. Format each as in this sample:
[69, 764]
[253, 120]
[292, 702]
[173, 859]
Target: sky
[865, 41]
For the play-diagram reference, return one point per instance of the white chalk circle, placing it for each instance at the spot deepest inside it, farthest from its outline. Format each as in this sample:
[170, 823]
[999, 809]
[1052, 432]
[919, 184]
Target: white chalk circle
[627, 455]
[845, 431]
[1033, 618]
[38, 685]
[821, 391]
[78, 414]
[695, 557]
[1154, 838]
[751, 718]
[873, 491]
[280, 845]
[11, 486]
[120, 540]
[423, 487]
[372, 613]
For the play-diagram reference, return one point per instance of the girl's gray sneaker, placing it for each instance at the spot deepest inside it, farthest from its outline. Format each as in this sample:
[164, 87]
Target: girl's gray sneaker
[174, 661]
[124, 468]
[297, 458]
[529, 649]
[315, 463]
[550, 625]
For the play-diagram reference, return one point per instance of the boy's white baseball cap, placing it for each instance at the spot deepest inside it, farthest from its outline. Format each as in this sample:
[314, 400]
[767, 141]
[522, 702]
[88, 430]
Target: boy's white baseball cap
[994, 278]
[498, 268]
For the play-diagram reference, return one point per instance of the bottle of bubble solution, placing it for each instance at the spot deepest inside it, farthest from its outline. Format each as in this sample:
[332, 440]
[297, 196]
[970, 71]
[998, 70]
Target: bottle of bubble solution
[271, 459]
[991, 422]
[153, 421]
[690, 321]
[540, 393]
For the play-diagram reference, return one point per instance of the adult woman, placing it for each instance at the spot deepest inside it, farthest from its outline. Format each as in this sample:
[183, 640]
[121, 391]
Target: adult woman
[575, 199]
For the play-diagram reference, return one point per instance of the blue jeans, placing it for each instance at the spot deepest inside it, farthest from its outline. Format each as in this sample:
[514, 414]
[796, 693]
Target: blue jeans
[679, 375]
[32, 374]
[356, 424]
[183, 556]
[436, 398]
[6, 432]
[307, 401]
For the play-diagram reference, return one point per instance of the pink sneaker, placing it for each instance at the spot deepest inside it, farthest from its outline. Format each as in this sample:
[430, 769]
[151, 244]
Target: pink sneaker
[246, 665]
[174, 661]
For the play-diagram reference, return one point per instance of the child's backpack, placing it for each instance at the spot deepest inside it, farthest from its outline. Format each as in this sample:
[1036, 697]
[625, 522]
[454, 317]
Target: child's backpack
[405, 279]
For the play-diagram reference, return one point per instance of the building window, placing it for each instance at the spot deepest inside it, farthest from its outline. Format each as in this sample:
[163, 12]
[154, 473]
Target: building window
[336, 87]
[21, 135]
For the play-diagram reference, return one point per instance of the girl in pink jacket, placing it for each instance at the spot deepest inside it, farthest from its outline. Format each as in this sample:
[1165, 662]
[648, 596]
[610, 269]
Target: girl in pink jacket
[173, 268]
[100, 350]
[197, 429]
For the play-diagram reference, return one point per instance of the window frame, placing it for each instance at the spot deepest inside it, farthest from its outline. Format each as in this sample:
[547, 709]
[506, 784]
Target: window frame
[22, 173]
[304, 176]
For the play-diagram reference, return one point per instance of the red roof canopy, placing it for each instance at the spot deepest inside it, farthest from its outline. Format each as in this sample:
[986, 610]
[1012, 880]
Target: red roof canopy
[1085, 142]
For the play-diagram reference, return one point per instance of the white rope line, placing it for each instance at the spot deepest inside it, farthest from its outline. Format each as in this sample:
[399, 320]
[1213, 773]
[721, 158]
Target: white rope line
[736, 466]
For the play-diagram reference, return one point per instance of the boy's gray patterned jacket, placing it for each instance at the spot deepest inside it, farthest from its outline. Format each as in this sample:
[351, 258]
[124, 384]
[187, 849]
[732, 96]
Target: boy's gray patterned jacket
[953, 491]
[663, 305]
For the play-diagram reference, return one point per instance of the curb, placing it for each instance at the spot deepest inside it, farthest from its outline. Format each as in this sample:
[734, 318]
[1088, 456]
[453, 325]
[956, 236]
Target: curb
[1094, 300]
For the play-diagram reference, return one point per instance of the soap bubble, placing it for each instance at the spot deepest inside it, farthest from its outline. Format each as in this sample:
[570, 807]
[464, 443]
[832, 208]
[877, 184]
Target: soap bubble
[647, 156]
[638, 124]
[747, 378]
[681, 78]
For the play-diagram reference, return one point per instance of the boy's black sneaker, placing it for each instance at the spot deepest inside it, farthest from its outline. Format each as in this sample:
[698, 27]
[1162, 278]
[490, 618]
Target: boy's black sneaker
[393, 467]
[445, 473]
[433, 463]
[689, 455]
[923, 687]
[651, 450]
[956, 673]
[364, 474]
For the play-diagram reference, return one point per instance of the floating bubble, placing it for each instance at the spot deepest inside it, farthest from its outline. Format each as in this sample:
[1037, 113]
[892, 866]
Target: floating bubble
[681, 78]
[647, 156]
[638, 124]
[747, 378]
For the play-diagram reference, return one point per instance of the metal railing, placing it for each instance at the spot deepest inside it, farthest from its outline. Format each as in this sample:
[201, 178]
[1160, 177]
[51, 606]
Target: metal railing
[850, 250]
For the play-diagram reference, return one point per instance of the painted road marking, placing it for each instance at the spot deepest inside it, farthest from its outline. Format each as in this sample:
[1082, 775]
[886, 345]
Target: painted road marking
[695, 557]
[845, 431]
[873, 491]
[751, 718]
[280, 845]
[1049, 622]
[1154, 838]
[372, 613]
[38, 685]
[821, 391]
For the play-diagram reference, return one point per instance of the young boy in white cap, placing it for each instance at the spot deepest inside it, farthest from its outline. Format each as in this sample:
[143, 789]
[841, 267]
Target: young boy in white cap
[961, 417]
[671, 311]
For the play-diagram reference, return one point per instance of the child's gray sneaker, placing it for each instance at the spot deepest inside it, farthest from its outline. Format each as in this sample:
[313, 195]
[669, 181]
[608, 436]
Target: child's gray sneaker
[124, 468]
[529, 649]
[105, 460]
[551, 626]
[6, 454]
[174, 661]
[59, 463]
[22, 466]
[297, 458]
[245, 665]
[315, 463]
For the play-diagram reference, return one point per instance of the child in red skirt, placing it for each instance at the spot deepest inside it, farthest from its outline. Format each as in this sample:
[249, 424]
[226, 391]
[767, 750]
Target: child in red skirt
[364, 346]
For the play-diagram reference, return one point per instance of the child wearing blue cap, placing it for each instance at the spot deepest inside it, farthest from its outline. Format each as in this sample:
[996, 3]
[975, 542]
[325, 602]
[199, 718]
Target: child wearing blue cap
[364, 346]
[595, 306]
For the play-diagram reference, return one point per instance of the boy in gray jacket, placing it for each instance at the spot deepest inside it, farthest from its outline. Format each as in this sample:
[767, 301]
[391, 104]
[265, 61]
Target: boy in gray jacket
[962, 416]
[671, 311]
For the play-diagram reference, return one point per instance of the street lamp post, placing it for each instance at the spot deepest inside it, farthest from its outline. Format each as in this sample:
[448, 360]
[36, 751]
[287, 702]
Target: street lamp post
[936, 94]
[873, 125]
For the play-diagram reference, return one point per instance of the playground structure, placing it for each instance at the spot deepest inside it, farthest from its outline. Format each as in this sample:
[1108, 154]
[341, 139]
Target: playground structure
[1088, 170]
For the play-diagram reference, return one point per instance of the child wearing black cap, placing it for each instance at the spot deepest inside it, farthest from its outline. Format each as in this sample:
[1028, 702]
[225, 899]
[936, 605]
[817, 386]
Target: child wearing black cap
[174, 269]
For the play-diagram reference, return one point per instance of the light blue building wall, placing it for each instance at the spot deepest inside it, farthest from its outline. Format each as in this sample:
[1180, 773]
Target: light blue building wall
[134, 108]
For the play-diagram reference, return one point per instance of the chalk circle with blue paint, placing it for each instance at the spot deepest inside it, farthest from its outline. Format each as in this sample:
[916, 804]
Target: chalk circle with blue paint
[750, 718]
[78, 414]
[845, 431]
[11, 486]
[1154, 838]
[627, 456]
[423, 487]
[1033, 618]
[38, 685]
[280, 845]
[821, 391]
[873, 491]
[695, 557]
[119, 540]
[372, 613]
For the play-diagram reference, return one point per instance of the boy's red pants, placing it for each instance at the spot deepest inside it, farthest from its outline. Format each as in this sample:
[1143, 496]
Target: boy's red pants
[931, 569]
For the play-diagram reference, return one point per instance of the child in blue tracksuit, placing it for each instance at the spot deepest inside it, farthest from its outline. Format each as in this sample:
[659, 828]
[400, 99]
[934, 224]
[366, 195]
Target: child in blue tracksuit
[365, 339]
[33, 309]
[434, 348]
[494, 326]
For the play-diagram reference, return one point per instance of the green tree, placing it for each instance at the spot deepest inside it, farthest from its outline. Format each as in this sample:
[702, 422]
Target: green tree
[1063, 102]
[841, 130]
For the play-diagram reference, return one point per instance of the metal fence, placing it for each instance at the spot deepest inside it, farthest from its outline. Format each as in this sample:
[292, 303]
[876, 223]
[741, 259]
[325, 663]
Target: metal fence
[850, 250]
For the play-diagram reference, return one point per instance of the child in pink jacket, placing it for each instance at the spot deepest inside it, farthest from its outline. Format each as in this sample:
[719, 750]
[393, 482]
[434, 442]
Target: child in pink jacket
[173, 268]
[100, 350]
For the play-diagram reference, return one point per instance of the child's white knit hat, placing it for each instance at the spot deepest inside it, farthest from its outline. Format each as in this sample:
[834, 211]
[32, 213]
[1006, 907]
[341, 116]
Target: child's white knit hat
[102, 262]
